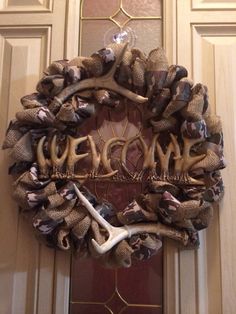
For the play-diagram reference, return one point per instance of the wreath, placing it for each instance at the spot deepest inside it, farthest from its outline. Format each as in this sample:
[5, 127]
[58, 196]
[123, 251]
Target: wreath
[180, 160]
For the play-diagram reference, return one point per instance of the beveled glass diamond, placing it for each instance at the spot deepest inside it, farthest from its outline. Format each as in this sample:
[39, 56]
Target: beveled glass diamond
[121, 18]
[116, 303]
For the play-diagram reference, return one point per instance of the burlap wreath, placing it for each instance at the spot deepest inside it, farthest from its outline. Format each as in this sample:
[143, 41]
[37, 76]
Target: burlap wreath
[182, 182]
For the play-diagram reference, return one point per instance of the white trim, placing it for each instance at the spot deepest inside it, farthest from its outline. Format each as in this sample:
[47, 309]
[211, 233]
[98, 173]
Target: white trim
[72, 29]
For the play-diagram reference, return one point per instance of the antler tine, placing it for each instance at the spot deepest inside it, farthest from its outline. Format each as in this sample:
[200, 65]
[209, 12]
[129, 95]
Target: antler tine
[57, 162]
[117, 61]
[189, 161]
[72, 156]
[117, 234]
[107, 175]
[105, 224]
[121, 233]
[111, 142]
[178, 157]
[42, 161]
[106, 81]
[184, 162]
[149, 158]
[145, 151]
[164, 159]
[96, 157]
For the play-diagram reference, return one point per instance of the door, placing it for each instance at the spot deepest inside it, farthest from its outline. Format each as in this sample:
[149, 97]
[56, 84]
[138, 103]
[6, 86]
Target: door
[199, 34]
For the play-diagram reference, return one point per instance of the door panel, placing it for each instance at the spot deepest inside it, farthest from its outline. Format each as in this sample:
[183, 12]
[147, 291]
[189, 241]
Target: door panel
[27, 41]
[26, 5]
[23, 58]
[213, 4]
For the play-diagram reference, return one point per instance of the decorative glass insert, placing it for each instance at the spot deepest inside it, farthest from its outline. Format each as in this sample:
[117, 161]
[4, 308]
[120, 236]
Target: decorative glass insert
[99, 18]
[138, 289]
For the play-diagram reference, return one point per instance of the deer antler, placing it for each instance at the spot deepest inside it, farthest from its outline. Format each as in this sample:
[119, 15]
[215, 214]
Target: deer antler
[117, 234]
[107, 146]
[57, 163]
[149, 158]
[96, 157]
[164, 159]
[73, 157]
[42, 161]
[106, 81]
[184, 162]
